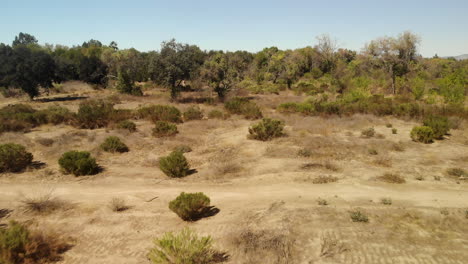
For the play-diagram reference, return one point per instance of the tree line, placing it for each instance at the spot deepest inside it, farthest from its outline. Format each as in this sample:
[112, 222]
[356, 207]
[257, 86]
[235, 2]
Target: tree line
[386, 65]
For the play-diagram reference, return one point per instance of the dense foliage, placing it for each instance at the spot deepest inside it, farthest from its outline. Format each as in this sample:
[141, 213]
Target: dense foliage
[14, 158]
[190, 206]
[78, 163]
[175, 165]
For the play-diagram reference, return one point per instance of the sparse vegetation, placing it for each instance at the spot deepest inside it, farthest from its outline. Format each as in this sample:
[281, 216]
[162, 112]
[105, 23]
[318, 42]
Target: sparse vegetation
[190, 206]
[386, 201]
[368, 132]
[14, 158]
[266, 129]
[183, 148]
[391, 178]
[175, 165]
[185, 247]
[372, 151]
[321, 201]
[42, 204]
[304, 152]
[331, 246]
[157, 113]
[243, 106]
[193, 113]
[358, 215]
[164, 129]
[217, 114]
[78, 163]
[118, 205]
[127, 125]
[457, 172]
[322, 179]
[422, 134]
[114, 144]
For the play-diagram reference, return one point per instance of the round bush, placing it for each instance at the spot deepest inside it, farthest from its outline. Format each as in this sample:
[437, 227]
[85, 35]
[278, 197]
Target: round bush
[164, 129]
[190, 206]
[422, 134]
[175, 165]
[114, 144]
[266, 129]
[193, 113]
[439, 124]
[14, 158]
[127, 124]
[78, 163]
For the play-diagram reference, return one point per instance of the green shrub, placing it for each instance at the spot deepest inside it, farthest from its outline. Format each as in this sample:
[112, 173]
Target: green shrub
[217, 114]
[78, 163]
[57, 115]
[114, 144]
[190, 206]
[422, 134]
[266, 129]
[164, 129]
[358, 216]
[126, 85]
[182, 248]
[303, 108]
[193, 113]
[160, 113]
[127, 124]
[438, 124]
[175, 165]
[243, 106]
[14, 158]
[19, 245]
[94, 114]
[394, 131]
[368, 132]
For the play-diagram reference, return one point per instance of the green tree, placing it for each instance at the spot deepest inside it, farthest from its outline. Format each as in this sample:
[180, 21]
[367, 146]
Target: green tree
[24, 39]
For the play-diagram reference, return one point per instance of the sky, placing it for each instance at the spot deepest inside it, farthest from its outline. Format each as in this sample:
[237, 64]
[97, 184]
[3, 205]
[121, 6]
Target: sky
[238, 24]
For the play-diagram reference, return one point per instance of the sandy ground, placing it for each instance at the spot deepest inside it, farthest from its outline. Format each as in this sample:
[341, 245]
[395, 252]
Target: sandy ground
[258, 187]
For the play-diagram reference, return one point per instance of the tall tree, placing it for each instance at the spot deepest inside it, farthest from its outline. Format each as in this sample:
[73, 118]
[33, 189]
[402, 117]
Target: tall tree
[24, 39]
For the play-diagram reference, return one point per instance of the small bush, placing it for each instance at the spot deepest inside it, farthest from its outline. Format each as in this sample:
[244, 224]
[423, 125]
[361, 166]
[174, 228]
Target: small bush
[389, 125]
[392, 178]
[386, 201]
[368, 132]
[78, 163]
[359, 216]
[94, 114]
[182, 248]
[175, 165]
[127, 125]
[118, 205]
[321, 201]
[373, 151]
[217, 114]
[160, 113]
[242, 106]
[266, 129]
[324, 179]
[422, 134]
[439, 125]
[114, 144]
[398, 146]
[57, 115]
[14, 158]
[164, 129]
[190, 206]
[456, 172]
[193, 113]
[304, 153]
[19, 245]
[394, 131]
[42, 204]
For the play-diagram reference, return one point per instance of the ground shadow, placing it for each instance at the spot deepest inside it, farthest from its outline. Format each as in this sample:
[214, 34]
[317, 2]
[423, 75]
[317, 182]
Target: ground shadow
[206, 212]
[219, 257]
[37, 165]
[5, 212]
[191, 171]
[61, 99]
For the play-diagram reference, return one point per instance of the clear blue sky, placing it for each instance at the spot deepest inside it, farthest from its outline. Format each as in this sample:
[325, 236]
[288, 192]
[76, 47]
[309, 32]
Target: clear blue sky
[238, 24]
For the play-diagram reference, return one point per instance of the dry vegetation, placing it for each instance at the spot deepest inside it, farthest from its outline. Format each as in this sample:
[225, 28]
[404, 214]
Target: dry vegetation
[311, 189]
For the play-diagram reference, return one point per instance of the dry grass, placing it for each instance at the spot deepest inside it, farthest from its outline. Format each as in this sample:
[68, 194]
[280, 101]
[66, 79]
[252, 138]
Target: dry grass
[322, 179]
[118, 205]
[331, 246]
[384, 161]
[43, 204]
[391, 178]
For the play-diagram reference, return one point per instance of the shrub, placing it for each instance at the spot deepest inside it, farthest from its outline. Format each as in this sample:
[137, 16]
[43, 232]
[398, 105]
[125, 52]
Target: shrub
[392, 178]
[368, 132]
[42, 204]
[389, 125]
[324, 179]
[373, 151]
[359, 216]
[456, 172]
[386, 201]
[193, 113]
[19, 245]
[78, 163]
[304, 153]
[394, 131]
[14, 158]
[438, 124]
[190, 206]
[243, 106]
[114, 144]
[94, 114]
[160, 113]
[57, 115]
[127, 124]
[118, 205]
[164, 129]
[184, 247]
[304, 108]
[321, 201]
[266, 129]
[422, 134]
[175, 165]
[217, 114]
